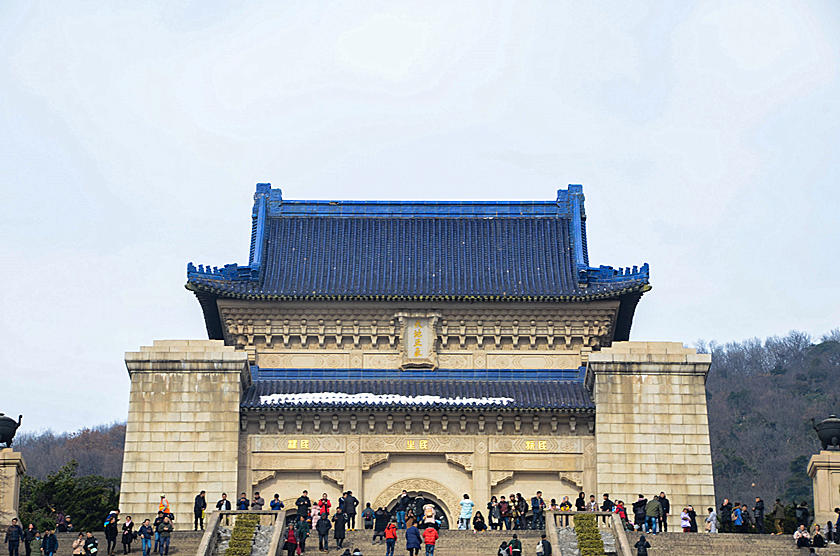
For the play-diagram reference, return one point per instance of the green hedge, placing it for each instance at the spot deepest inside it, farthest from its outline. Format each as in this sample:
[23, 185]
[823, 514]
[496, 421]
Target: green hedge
[242, 536]
[589, 538]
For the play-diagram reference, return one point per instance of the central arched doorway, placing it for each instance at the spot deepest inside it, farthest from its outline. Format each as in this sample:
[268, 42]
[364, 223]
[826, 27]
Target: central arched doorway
[421, 491]
[420, 499]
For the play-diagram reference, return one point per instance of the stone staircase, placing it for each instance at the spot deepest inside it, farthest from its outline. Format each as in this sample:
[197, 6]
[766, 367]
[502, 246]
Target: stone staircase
[705, 544]
[450, 543]
[182, 542]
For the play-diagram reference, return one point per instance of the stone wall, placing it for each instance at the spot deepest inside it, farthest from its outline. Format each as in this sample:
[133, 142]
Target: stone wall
[651, 427]
[183, 425]
[824, 470]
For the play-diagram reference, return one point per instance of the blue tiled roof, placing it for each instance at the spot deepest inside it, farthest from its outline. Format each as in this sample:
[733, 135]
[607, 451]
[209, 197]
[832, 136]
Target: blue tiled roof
[548, 395]
[416, 250]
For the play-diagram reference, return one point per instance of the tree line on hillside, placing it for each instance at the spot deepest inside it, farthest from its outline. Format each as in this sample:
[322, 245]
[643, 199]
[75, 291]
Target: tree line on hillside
[761, 397]
[96, 451]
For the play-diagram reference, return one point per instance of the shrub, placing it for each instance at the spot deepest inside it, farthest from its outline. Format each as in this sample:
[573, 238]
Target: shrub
[589, 538]
[242, 536]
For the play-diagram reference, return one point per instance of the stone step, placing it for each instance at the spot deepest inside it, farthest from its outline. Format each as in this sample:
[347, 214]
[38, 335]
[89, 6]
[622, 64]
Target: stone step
[450, 543]
[181, 542]
[704, 544]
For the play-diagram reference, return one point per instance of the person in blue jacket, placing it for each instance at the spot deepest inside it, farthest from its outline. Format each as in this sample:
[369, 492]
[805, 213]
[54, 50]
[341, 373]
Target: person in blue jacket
[413, 542]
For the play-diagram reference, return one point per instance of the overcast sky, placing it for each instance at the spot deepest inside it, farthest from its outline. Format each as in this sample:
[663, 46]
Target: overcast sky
[706, 137]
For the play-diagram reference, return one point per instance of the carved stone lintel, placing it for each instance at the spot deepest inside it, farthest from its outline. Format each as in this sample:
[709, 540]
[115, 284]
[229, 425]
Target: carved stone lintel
[498, 477]
[335, 476]
[372, 460]
[465, 461]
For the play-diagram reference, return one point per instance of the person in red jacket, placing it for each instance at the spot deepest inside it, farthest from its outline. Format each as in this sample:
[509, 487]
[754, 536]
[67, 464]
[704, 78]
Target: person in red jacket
[430, 537]
[324, 506]
[390, 537]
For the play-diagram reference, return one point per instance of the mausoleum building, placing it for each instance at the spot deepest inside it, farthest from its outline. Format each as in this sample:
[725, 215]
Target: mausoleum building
[442, 348]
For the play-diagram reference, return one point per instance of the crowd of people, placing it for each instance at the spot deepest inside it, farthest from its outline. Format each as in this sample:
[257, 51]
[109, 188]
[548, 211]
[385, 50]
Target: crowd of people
[416, 519]
[420, 520]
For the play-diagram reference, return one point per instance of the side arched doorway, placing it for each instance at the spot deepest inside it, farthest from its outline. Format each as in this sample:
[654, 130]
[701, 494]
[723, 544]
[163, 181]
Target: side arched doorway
[422, 491]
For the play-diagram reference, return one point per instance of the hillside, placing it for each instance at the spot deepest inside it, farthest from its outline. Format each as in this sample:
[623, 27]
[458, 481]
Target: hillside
[761, 396]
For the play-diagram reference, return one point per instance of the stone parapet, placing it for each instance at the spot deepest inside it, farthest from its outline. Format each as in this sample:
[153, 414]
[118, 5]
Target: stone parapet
[12, 468]
[824, 470]
[182, 429]
[651, 425]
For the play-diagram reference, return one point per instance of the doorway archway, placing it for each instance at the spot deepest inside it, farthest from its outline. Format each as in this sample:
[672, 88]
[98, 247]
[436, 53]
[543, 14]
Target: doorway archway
[431, 491]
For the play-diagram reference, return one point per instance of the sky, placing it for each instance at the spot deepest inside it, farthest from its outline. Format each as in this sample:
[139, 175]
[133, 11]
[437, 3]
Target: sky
[706, 136]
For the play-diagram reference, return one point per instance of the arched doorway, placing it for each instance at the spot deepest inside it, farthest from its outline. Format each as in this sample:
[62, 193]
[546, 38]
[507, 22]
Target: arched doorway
[431, 492]
[420, 499]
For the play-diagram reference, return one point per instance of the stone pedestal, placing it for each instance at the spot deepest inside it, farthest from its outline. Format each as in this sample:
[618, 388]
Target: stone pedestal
[182, 433]
[652, 428]
[12, 468]
[824, 470]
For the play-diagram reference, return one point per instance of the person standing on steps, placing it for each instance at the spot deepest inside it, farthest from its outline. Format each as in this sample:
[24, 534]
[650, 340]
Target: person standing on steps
[111, 536]
[642, 546]
[323, 527]
[580, 502]
[350, 504]
[199, 506]
[127, 534]
[778, 515]
[639, 513]
[29, 536]
[466, 513]
[430, 537]
[380, 521]
[538, 509]
[340, 521]
[725, 516]
[367, 516]
[390, 537]
[653, 511]
[692, 520]
[303, 504]
[165, 530]
[158, 521]
[91, 545]
[543, 547]
[665, 504]
[146, 534]
[515, 546]
[758, 514]
[243, 503]
[400, 508]
[49, 544]
[412, 538]
[276, 504]
[257, 503]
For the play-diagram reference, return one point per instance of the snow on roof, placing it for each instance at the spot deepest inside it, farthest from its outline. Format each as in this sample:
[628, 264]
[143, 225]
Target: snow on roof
[367, 398]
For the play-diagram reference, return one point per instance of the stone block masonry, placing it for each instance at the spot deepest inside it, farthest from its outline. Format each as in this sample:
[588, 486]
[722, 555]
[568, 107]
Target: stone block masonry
[182, 430]
[651, 426]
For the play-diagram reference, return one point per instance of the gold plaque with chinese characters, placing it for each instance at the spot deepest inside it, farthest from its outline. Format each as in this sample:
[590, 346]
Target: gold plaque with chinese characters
[419, 338]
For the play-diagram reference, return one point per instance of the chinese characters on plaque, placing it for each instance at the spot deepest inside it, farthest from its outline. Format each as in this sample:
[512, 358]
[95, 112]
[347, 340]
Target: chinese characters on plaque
[418, 341]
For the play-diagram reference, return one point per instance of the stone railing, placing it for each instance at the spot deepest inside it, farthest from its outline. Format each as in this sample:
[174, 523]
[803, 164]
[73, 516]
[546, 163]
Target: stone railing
[216, 519]
[557, 520]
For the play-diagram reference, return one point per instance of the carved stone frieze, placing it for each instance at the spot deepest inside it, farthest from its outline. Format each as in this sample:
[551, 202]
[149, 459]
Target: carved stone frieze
[269, 328]
[411, 443]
